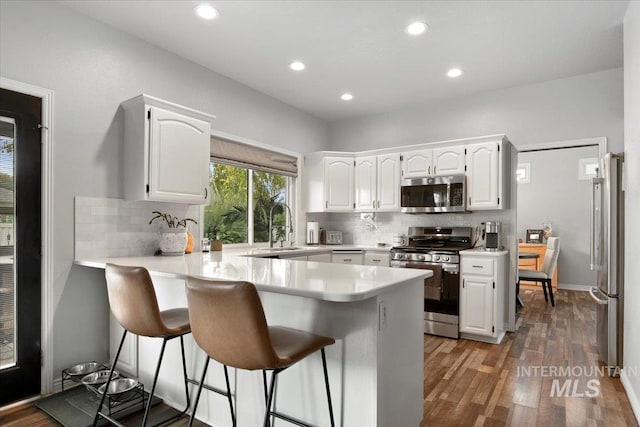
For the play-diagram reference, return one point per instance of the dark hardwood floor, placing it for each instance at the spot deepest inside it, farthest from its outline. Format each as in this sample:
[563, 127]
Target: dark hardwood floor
[469, 383]
[524, 381]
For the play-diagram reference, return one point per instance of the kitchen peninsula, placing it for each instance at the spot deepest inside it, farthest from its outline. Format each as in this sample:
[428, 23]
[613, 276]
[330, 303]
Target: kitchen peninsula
[374, 313]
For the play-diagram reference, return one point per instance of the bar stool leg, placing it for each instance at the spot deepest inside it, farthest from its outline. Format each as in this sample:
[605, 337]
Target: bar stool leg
[155, 381]
[267, 414]
[113, 365]
[326, 383]
[195, 404]
[226, 378]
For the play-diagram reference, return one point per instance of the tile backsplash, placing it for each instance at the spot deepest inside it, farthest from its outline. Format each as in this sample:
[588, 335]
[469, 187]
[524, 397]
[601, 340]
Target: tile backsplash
[117, 227]
[358, 229]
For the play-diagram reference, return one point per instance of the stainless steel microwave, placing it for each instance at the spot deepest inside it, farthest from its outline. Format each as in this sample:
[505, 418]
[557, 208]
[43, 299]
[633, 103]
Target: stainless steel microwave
[436, 194]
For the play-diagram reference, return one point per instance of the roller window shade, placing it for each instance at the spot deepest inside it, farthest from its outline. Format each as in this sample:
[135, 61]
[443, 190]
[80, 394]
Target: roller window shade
[238, 154]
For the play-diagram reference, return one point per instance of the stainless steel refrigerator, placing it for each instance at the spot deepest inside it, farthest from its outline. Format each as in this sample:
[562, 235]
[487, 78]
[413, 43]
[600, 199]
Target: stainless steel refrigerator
[607, 258]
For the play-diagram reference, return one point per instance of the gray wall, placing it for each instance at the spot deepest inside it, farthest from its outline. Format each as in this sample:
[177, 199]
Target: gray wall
[555, 195]
[631, 351]
[573, 108]
[92, 68]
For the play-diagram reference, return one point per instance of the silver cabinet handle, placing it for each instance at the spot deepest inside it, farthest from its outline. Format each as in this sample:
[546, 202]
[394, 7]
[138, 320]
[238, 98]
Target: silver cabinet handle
[373, 204]
[476, 266]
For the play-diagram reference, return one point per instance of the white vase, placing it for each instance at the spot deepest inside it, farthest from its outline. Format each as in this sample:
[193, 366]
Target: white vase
[173, 241]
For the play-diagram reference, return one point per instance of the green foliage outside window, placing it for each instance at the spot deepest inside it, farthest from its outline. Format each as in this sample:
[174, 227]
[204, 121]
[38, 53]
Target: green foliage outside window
[226, 215]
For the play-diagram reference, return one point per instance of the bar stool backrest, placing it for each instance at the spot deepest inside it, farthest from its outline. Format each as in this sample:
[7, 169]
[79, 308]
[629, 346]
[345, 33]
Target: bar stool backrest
[133, 300]
[228, 323]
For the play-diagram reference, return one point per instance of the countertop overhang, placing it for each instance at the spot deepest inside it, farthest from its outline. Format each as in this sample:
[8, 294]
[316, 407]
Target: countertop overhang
[324, 281]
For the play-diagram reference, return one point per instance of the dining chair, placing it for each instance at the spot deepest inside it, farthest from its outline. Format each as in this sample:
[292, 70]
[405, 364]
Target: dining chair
[545, 275]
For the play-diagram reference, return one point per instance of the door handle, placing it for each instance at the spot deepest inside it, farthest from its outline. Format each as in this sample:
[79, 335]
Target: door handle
[206, 192]
[600, 301]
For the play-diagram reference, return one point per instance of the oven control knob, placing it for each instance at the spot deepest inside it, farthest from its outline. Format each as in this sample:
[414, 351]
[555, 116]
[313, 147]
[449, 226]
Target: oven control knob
[445, 258]
[436, 257]
[421, 257]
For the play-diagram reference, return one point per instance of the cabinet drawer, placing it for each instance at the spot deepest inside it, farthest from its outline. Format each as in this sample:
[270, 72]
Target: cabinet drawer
[477, 266]
[346, 258]
[376, 259]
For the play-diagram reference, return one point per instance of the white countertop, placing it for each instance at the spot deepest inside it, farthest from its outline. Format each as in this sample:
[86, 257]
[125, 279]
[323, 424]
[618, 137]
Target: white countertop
[480, 251]
[329, 282]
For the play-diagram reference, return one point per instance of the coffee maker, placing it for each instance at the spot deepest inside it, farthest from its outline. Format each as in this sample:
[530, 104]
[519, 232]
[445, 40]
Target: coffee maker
[492, 235]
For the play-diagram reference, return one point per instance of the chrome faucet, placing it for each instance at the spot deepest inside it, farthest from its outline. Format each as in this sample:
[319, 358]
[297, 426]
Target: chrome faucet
[271, 222]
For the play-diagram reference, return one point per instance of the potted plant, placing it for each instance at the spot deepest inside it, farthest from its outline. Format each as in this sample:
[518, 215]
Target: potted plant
[213, 232]
[173, 235]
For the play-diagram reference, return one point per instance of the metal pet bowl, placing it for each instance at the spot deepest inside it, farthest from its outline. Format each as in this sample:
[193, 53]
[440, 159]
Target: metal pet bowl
[99, 377]
[119, 386]
[84, 368]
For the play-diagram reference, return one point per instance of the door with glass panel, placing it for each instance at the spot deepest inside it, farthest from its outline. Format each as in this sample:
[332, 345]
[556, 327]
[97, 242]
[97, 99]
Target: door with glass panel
[20, 239]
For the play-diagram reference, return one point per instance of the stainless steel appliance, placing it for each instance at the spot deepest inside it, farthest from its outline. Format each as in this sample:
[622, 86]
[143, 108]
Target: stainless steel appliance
[437, 249]
[435, 194]
[313, 233]
[607, 258]
[492, 235]
[332, 237]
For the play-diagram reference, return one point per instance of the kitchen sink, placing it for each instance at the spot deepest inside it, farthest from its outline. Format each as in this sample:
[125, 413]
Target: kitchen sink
[281, 249]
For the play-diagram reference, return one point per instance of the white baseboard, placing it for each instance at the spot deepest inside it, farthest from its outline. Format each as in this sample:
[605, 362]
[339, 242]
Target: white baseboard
[572, 287]
[633, 397]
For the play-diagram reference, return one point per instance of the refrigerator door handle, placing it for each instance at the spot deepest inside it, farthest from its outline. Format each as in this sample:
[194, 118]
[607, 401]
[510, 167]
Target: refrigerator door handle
[596, 225]
[594, 292]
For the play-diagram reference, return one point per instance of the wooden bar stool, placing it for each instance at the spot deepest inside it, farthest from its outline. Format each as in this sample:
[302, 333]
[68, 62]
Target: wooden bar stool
[134, 305]
[229, 324]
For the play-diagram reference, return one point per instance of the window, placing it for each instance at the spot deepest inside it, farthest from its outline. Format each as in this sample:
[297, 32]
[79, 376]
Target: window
[241, 201]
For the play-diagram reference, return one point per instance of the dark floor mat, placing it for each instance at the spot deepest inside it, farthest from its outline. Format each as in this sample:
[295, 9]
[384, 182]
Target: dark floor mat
[76, 407]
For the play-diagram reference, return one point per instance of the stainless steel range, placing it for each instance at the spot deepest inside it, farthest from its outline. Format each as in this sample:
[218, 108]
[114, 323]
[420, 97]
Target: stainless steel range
[437, 249]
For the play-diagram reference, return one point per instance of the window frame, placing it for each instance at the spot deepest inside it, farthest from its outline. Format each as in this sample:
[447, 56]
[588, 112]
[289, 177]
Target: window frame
[291, 189]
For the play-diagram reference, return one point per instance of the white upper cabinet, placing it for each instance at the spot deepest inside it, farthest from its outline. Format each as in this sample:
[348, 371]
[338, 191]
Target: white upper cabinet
[388, 182]
[366, 183]
[433, 162]
[484, 176]
[448, 161]
[377, 183]
[166, 152]
[417, 163]
[338, 184]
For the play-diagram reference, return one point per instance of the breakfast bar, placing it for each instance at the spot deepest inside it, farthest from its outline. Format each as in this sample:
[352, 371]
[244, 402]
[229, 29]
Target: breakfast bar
[375, 314]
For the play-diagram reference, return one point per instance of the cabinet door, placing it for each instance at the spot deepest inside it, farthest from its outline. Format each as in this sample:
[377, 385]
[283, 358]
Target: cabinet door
[365, 183]
[178, 157]
[476, 305]
[416, 164]
[483, 176]
[388, 183]
[320, 257]
[448, 160]
[338, 184]
[377, 258]
[128, 360]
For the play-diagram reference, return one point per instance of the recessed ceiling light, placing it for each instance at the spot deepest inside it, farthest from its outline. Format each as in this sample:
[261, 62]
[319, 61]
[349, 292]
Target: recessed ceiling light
[297, 66]
[454, 72]
[416, 28]
[346, 97]
[205, 11]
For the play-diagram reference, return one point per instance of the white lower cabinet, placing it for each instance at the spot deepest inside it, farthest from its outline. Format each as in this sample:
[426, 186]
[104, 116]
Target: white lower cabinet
[377, 258]
[483, 290]
[347, 257]
[320, 257]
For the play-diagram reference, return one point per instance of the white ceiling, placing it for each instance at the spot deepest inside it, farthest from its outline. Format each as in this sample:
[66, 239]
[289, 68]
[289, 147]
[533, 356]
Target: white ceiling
[361, 46]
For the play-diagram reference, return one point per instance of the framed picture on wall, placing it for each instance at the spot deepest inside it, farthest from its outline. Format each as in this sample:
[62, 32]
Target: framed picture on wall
[535, 236]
